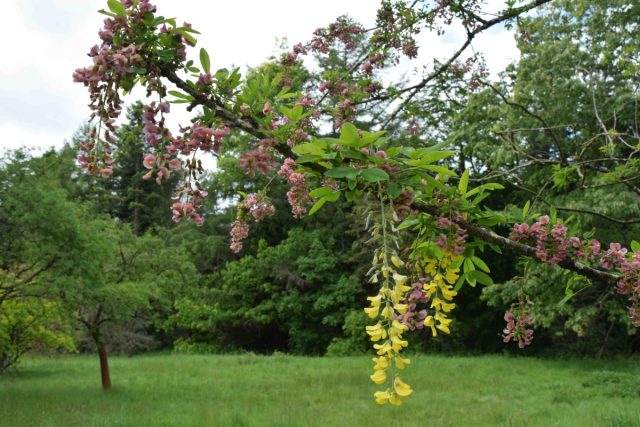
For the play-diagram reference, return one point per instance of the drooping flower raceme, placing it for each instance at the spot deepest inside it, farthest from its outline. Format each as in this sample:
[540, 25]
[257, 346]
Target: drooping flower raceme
[387, 307]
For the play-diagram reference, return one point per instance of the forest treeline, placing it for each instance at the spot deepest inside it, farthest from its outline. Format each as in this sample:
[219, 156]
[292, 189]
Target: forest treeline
[92, 264]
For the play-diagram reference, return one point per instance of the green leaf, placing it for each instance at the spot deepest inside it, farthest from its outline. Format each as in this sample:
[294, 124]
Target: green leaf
[116, 7]
[180, 94]
[317, 205]
[394, 189]
[205, 61]
[495, 248]
[428, 157]
[554, 214]
[334, 196]
[525, 210]
[464, 182]
[188, 30]
[353, 195]
[567, 296]
[342, 172]
[442, 170]
[635, 246]
[481, 277]
[353, 154]
[468, 265]
[320, 192]
[409, 222]
[104, 12]
[188, 37]
[459, 283]
[308, 158]
[480, 264]
[318, 147]
[349, 134]
[470, 279]
[374, 175]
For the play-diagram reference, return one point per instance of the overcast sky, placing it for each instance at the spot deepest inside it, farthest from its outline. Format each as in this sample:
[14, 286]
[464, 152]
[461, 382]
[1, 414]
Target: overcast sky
[45, 40]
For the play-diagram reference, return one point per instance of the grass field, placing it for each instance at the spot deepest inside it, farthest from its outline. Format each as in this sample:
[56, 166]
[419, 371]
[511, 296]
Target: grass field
[246, 390]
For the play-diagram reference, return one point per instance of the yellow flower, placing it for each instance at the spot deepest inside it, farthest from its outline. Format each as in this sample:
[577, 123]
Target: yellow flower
[383, 348]
[382, 397]
[399, 279]
[377, 332]
[444, 328]
[435, 303]
[401, 289]
[398, 327]
[431, 267]
[398, 343]
[379, 376]
[443, 323]
[430, 322]
[430, 288]
[375, 300]
[452, 275]
[396, 261]
[448, 293]
[381, 362]
[447, 307]
[387, 312]
[401, 388]
[395, 400]
[372, 312]
[401, 308]
[402, 362]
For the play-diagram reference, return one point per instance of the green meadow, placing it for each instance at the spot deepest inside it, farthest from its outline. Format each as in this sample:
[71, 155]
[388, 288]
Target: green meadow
[247, 390]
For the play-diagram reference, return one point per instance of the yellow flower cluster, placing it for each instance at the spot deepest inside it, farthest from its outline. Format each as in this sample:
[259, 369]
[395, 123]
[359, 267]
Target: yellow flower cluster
[440, 290]
[387, 333]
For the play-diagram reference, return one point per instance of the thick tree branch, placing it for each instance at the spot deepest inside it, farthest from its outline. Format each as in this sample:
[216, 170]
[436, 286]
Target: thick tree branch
[526, 250]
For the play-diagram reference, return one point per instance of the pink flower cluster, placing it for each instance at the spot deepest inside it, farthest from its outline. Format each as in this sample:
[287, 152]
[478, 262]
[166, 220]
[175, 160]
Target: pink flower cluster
[376, 60]
[199, 137]
[111, 61]
[393, 31]
[257, 161]
[161, 166]
[239, 232]
[259, 206]
[298, 195]
[629, 284]
[455, 239]
[554, 246]
[188, 204]
[343, 30]
[517, 328]
[94, 162]
[413, 318]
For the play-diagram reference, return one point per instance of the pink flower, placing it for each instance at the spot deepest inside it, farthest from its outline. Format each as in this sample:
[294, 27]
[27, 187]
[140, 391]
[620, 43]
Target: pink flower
[174, 164]
[149, 161]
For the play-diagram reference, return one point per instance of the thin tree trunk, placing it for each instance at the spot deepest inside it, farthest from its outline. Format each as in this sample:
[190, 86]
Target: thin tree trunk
[104, 366]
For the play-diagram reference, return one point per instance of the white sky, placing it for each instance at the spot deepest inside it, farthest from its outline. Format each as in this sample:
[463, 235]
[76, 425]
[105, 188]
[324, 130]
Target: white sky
[45, 40]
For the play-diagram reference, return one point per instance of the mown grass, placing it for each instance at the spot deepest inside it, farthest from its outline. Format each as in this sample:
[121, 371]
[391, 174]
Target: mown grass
[246, 390]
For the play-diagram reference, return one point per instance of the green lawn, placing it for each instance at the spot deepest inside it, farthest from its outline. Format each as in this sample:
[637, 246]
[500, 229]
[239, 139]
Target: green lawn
[184, 390]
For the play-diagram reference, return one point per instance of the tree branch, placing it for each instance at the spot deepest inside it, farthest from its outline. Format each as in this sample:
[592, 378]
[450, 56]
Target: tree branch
[413, 90]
